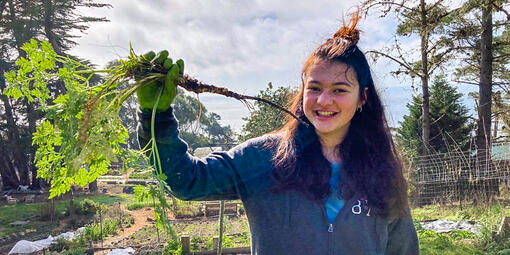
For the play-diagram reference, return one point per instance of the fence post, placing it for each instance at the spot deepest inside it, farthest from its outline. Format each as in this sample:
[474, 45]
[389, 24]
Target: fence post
[185, 241]
[215, 243]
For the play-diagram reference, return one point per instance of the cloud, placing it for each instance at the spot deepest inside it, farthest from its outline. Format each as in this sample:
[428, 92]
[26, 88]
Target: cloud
[238, 44]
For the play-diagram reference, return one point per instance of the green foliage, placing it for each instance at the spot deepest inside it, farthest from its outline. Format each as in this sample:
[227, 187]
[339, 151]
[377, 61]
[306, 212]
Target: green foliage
[242, 240]
[135, 160]
[144, 175]
[226, 242]
[489, 216]
[75, 251]
[438, 243]
[450, 127]
[87, 207]
[82, 133]
[39, 65]
[74, 246]
[266, 118]
[173, 247]
[197, 126]
[93, 231]
[142, 193]
[187, 208]
[139, 205]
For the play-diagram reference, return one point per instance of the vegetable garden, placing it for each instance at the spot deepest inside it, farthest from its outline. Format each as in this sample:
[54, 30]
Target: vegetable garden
[79, 136]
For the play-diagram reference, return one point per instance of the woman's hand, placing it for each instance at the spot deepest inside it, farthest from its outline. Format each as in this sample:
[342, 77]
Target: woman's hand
[148, 93]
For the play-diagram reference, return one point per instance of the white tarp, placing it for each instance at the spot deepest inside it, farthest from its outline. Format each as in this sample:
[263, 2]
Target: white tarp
[444, 226]
[127, 251]
[24, 246]
[70, 235]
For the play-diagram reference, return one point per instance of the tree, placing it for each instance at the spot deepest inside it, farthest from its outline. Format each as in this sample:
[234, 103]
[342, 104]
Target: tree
[427, 21]
[484, 55]
[450, 122]
[197, 126]
[501, 110]
[266, 118]
[21, 20]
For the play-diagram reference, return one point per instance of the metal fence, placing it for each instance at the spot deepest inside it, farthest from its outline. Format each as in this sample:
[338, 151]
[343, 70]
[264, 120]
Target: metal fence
[460, 176]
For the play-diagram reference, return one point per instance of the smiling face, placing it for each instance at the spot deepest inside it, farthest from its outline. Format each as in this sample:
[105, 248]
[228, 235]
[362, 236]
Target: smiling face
[330, 99]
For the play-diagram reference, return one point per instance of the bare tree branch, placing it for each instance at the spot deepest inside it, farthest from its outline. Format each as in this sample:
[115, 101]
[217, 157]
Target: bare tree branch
[500, 8]
[402, 64]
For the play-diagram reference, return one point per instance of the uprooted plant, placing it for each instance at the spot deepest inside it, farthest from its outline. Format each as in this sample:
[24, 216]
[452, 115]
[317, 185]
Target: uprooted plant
[81, 133]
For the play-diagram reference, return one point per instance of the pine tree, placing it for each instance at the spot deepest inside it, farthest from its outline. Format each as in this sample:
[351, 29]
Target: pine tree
[451, 124]
[450, 127]
[428, 21]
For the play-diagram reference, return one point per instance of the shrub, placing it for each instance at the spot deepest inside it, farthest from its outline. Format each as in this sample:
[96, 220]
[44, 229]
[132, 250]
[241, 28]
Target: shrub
[60, 245]
[74, 246]
[195, 243]
[87, 207]
[75, 251]
[173, 247]
[93, 231]
[47, 210]
[226, 243]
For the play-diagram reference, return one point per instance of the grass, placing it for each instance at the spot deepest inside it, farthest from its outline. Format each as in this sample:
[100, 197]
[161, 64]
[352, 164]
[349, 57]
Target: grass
[184, 208]
[462, 242]
[141, 175]
[135, 205]
[32, 212]
[431, 243]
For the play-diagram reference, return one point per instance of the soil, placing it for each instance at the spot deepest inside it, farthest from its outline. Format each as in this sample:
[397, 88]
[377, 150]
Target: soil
[142, 217]
[142, 234]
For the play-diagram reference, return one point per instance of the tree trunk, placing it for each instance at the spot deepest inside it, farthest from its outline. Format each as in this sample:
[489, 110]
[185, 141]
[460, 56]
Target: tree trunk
[13, 155]
[425, 125]
[9, 178]
[93, 186]
[2, 8]
[483, 136]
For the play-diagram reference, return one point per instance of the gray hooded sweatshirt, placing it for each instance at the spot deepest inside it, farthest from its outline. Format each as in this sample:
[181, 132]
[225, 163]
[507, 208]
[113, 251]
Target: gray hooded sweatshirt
[281, 224]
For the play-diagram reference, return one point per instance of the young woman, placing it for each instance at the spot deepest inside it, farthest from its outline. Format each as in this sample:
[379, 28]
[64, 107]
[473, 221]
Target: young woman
[331, 186]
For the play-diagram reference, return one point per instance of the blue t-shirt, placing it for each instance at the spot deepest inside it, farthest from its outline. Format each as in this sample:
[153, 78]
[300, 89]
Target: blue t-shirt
[335, 201]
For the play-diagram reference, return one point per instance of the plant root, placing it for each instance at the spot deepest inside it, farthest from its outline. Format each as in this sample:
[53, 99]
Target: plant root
[194, 85]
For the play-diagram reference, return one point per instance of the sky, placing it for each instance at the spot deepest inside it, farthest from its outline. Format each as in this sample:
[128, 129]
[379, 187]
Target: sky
[241, 44]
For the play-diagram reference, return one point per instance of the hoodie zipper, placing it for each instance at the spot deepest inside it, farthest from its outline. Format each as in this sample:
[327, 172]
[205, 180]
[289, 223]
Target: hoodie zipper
[330, 230]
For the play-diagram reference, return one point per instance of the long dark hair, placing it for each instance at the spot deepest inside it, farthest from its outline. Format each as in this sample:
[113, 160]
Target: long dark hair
[371, 166]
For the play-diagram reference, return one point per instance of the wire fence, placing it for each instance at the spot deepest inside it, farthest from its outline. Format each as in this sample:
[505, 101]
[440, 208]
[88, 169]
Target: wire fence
[460, 176]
